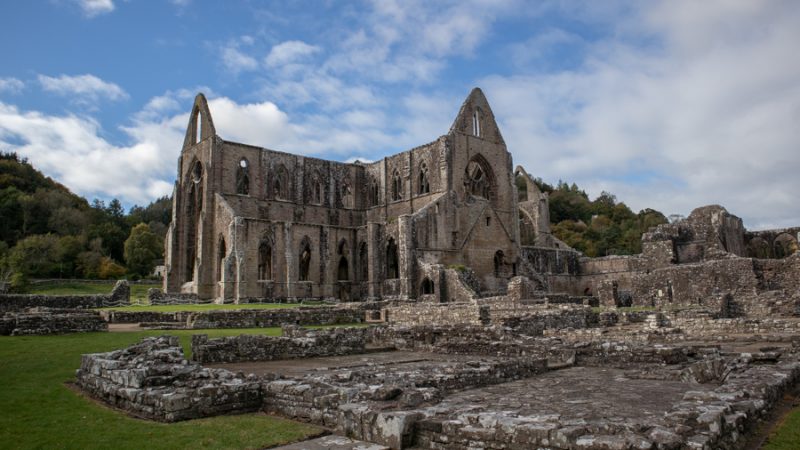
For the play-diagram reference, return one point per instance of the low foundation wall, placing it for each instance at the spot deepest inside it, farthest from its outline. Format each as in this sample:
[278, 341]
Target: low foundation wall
[153, 380]
[437, 314]
[296, 343]
[119, 296]
[51, 321]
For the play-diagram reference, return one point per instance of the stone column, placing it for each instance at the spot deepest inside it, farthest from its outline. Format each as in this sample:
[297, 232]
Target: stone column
[406, 257]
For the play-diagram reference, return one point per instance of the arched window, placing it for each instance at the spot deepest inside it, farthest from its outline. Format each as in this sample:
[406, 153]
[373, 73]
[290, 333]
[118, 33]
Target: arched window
[424, 183]
[363, 261]
[316, 190]
[346, 192]
[374, 192]
[221, 252]
[243, 177]
[478, 178]
[476, 122]
[392, 264]
[280, 183]
[305, 259]
[498, 263]
[264, 260]
[343, 271]
[426, 287]
[397, 186]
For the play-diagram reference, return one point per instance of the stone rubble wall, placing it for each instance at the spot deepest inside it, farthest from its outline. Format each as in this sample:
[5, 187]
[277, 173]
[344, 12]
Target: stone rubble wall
[294, 344]
[436, 314]
[158, 297]
[41, 321]
[153, 380]
[241, 318]
[119, 296]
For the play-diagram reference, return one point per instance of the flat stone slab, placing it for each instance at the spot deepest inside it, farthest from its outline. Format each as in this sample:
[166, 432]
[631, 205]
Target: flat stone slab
[332, 442]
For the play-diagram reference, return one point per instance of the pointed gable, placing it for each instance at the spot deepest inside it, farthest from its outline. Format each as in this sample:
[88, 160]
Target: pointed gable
[201, 126]
[476, 118]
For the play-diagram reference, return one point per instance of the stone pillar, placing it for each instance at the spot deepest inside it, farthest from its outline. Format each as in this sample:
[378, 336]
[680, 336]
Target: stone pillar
[406, 257]
[374, 250]
[291, 264]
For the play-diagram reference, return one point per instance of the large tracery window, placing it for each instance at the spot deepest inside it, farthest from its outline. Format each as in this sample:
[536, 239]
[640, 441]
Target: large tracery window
[478, 180]
[243, 177]
[397, 186]
[424, 182]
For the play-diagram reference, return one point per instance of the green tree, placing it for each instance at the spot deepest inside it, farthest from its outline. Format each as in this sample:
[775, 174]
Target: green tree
[142, 249]
[35, 256]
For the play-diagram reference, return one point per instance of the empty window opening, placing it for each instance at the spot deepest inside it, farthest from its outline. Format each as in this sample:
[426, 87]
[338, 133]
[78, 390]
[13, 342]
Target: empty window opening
[392, 264]
[264, 261]
[280, 187]
[488, 221]
[397, 186]
[305, 261]
[243, 178]
[426, 288]
[476, 123]
[498, 263]
[221, 258]
[363, 261]
[424, 183]
[478, 178]
[343, 272]
[374, 192]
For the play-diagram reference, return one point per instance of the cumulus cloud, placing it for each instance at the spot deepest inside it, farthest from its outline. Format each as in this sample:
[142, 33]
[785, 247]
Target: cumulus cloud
[289, 52]
[706, 116]
[11, 85]
[235, 61]
[92, 8]
[84, 89]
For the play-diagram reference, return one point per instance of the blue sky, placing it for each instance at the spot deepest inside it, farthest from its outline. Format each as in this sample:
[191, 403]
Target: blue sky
[669, 105]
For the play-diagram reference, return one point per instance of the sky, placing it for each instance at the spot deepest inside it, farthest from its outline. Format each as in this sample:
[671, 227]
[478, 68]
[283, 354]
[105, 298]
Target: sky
[668, 105]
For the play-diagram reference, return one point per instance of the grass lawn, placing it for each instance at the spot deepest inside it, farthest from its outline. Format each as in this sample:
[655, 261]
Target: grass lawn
[787, 435]
[39, 411]
[138, 291]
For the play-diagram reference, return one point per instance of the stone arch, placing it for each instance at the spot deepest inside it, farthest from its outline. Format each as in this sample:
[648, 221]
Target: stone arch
[243, 177]
[305, 259]
[315, 188]
[424, 185]
[426, 287]
[281, 183]
[346, 191]
[392, 260]
[758, 248]
[479, 179]
[374, 192]
[201, 125]
[784, 245]
[527, 230]
[193, 208]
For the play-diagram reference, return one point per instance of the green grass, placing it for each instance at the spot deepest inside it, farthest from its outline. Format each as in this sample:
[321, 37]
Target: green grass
[138, 291]
[40, 411]
[208, 307]
[787, 435]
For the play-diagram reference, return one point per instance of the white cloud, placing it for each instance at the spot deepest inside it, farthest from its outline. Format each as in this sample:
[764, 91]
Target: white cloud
[92, 8]
[708, 115]
[236, 61]
[289, 52]
[85, 89]
[11, 85]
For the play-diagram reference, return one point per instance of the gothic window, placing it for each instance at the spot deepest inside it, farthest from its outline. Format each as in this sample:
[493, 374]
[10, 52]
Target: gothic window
[498, 263]
[392, 264]
[221, 252]
[478, 179]
[424, 183]
[346, 192]
[397, 186]
[280, 183]
[317, 189]
[305, 259]
[476, 122]
[264, 260]
[374, 192]
[363, 261]
[427, 286]
[197, 172]
[343, 272]
[243, 177]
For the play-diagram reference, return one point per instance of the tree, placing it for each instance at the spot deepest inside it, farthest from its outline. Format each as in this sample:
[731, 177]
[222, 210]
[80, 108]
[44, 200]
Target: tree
[142, 249]
[35, 256]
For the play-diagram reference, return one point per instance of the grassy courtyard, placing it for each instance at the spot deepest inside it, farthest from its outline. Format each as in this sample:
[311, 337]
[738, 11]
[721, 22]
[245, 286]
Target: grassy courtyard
[40, 411]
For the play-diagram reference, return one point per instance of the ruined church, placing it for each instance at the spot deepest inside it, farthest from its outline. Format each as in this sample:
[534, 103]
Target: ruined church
[254, 223]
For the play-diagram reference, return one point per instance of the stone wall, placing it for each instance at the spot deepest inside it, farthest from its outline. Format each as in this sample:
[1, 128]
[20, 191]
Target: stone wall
[437, 314]
[241, 318]
[51, 321]
[153, 380]
[119, 296]
[295, 343]
[158, 297]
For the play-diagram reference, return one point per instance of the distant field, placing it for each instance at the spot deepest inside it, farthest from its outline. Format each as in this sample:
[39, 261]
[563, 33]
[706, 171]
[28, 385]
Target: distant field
[42, 412]
[138, 291]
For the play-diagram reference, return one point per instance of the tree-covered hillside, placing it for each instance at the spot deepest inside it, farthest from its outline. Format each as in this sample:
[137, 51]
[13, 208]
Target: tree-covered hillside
[47, 231]
[598, 227]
